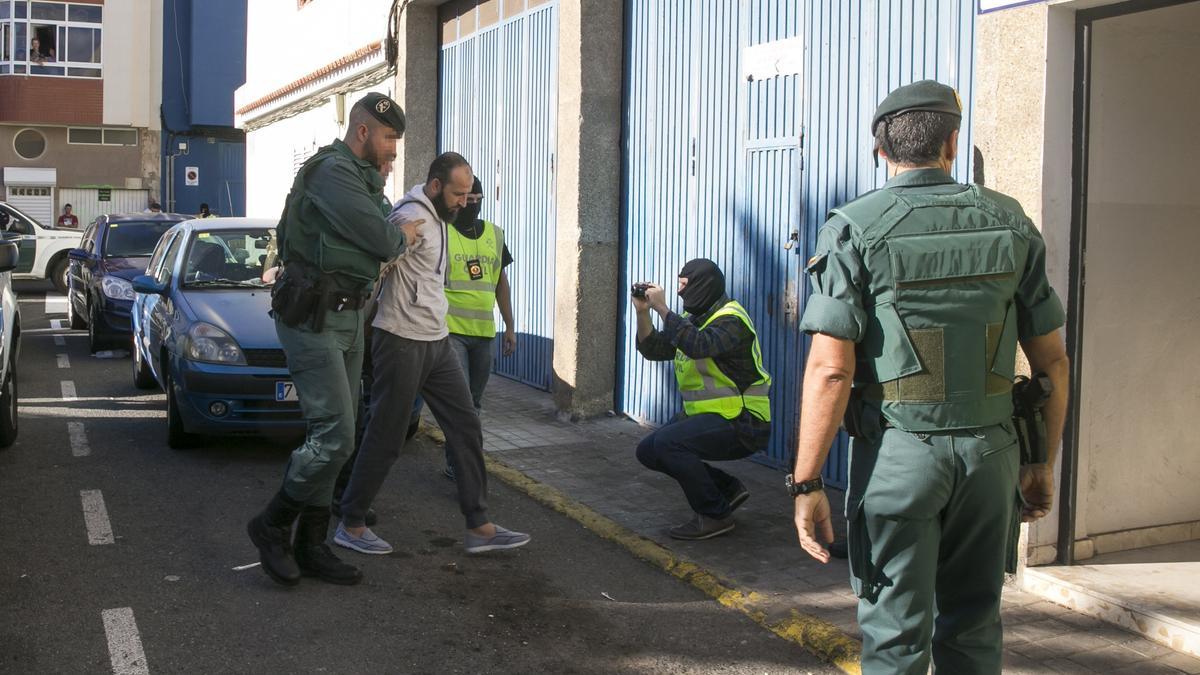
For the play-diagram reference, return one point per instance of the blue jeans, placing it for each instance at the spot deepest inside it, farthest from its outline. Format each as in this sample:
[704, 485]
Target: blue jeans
[475, 354]
[680, 449]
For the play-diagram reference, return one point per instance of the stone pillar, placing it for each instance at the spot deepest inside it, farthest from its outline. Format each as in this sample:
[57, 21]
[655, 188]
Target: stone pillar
[588, 183]
[417, 92]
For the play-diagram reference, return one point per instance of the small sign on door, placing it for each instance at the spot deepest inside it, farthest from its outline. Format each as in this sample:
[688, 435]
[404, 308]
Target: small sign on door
[191, 176]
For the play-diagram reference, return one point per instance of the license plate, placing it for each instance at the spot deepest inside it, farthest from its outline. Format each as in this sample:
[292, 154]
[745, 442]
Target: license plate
[285, 391]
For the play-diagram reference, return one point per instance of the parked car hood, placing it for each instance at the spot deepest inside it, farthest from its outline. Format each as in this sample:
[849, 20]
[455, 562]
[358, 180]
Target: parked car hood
[241, 312]
[126, 268]
[55, 233]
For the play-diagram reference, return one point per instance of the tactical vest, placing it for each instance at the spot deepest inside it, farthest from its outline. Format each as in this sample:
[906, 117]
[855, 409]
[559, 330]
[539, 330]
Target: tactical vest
[304, 238]
[471, 300]
[939, 350]
[705, 389]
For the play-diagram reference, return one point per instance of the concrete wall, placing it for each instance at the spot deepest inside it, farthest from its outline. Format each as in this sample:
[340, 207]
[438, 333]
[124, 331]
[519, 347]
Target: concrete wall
[80, 165]
[1140, 460]
[416, 91]
[588, 206]
[271, 153]
[132, 44]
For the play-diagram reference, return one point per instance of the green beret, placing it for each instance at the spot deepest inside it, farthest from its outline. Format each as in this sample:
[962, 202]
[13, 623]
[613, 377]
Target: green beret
[385, 110]
[925, 95]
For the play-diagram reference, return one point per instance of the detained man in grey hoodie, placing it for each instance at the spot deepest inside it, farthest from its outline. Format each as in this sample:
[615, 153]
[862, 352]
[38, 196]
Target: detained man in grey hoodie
[411, 354]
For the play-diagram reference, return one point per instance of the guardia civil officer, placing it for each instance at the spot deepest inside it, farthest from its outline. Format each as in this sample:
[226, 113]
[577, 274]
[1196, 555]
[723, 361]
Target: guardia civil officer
[333, 235]
[921, 292]
[725, 390]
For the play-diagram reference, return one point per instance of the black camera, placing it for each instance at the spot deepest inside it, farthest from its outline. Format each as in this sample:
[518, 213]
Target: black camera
[639, 291]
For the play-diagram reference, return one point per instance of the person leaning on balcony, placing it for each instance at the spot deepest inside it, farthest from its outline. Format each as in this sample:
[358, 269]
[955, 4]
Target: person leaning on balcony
[921, 293]
[332, 237]
[725, 389]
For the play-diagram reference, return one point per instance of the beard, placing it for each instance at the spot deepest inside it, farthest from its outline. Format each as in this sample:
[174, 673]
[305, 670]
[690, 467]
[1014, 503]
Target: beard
[446, 213]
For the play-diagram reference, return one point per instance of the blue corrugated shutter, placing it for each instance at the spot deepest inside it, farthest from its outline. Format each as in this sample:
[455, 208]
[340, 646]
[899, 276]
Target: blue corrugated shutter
[498, 109]
[712, 170]
[719, 167]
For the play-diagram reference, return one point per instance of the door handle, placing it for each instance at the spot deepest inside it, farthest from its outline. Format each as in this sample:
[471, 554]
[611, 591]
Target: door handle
[793, 238]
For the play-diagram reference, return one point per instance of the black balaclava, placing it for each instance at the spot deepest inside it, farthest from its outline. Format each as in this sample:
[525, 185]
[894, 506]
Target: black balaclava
[468, 214]
[705, 286]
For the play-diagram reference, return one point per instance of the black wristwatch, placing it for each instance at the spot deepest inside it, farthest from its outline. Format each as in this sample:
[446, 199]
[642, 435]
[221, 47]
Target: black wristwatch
[803, 487]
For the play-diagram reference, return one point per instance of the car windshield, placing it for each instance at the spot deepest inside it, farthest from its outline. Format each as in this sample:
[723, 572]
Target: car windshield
[228, 258]
[133, 240]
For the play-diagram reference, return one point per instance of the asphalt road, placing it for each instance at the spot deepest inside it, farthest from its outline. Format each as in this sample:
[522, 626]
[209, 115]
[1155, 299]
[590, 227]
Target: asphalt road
[164, 595]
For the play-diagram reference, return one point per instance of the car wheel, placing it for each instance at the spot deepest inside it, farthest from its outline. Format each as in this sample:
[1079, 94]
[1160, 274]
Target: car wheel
[95, 341]
[8, 407]
[58, 274]
[142, 377]
[177, 437]
[77, 322]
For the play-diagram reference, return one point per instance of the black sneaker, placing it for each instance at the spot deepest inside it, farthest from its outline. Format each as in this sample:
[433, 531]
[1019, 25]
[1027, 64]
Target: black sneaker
[702, 527]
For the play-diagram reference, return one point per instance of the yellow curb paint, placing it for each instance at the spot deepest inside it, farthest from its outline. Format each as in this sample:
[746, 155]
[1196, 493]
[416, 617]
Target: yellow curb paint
[819, 637]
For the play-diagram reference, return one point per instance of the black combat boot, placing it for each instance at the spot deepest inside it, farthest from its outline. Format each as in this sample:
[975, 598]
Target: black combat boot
[313, 554]
[271, 532]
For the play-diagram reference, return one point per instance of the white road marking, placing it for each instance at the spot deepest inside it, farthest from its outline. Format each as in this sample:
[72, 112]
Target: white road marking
[63, 360]
[59, 340]
[79, 442]
[95, 516]
[239, 568]
[68, 391]
[56, 304]
[124, 643]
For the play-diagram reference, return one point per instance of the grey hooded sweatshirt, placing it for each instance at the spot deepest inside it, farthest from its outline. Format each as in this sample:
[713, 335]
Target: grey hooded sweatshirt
[412, 298]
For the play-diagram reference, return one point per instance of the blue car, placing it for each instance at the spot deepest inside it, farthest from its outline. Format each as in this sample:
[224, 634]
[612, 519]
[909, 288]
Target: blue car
[202, 334]
[114, 250]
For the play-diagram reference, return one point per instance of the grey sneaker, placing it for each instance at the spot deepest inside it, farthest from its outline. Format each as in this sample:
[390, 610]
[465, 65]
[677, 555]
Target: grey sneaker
[368, 542]
[503, 539]
[702, 527]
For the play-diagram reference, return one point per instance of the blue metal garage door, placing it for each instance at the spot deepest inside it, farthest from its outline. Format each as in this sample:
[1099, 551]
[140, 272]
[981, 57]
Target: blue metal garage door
[726, 161]
[498, 109]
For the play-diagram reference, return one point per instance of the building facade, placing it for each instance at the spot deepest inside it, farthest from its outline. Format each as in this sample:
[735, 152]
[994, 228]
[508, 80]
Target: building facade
[204, 62]
[79, 108]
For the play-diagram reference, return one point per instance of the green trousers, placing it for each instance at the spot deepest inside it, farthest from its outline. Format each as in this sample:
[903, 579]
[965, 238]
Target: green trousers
[326, 368]
[932, 526]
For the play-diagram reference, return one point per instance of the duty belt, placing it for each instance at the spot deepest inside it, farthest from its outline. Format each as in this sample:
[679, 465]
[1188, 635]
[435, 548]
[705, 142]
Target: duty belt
[342, 300]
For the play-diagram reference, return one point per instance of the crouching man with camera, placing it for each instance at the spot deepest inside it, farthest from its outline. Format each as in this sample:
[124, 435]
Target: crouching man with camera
[725, 390]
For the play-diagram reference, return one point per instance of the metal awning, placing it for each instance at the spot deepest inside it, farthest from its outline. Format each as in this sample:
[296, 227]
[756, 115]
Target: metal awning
[15, 176]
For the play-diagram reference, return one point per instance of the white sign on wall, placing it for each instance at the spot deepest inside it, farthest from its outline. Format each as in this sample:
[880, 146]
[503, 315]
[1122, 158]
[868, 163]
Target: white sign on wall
[191, 176]
[771, 59]
[986, 6]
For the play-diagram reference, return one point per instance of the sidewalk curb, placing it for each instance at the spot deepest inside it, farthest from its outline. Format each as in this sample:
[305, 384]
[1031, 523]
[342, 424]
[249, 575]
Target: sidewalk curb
[821, 638]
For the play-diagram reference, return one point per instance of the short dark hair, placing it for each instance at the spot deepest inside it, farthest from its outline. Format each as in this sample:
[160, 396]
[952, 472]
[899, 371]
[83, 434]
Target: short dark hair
[445, 163]
[67, 206]
[916, 137]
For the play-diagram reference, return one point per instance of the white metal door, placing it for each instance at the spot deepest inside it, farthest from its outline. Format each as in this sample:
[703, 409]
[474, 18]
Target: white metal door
[37, 202]
[85, 202]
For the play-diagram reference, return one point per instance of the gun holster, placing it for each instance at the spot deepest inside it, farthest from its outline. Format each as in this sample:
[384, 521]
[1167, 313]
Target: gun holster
[296, 297]
[1029, 397]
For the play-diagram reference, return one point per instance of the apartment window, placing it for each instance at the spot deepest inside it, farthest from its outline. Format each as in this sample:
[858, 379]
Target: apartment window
[54, 39]
[87, 136]
[29, 143]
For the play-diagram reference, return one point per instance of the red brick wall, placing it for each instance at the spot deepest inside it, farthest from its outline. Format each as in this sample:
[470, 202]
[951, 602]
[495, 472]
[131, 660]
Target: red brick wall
[51, 100]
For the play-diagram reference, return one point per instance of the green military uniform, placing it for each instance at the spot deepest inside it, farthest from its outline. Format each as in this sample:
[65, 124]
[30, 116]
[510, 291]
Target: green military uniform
[935, 282]
[335, 224]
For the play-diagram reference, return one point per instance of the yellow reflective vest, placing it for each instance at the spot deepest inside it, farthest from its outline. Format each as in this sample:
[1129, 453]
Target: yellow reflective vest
[705, 389]
[471, 300]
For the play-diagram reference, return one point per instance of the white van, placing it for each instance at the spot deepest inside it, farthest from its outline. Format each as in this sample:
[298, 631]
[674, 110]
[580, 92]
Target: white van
[43, 249]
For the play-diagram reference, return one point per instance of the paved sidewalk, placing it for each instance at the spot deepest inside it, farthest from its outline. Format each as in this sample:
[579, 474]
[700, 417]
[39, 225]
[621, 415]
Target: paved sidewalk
[593, 464]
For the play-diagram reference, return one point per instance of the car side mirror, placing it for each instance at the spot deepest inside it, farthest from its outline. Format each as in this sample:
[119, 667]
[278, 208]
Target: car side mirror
[9, 255]
[77, 254]
[149, 285]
